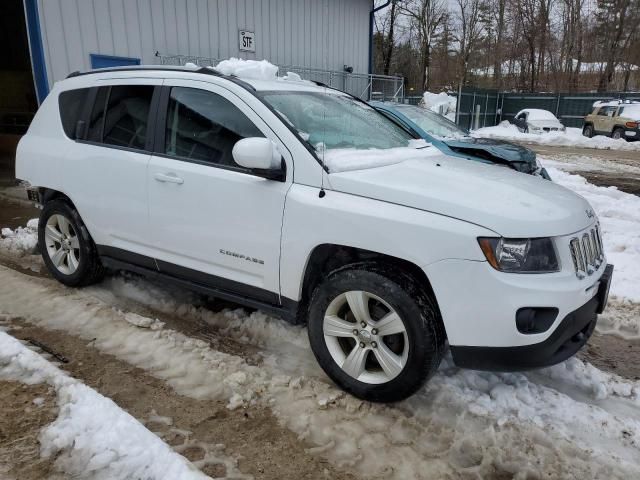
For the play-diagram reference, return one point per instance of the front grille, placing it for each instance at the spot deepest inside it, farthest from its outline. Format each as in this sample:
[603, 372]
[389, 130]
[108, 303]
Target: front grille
[587, 252]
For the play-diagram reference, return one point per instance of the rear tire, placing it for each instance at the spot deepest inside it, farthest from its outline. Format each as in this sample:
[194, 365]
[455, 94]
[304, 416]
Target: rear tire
[374, 333]
[617, 133]
[587, 131]
[66, 246]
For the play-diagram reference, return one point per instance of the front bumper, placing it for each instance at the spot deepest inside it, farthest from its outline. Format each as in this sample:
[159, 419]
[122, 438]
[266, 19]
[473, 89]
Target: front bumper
[569, 336]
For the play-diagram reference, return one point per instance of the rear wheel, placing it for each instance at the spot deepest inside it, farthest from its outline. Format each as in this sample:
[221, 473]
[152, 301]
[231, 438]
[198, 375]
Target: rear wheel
[67, 249]
[379, 338]
[587, 131]
[617, 133]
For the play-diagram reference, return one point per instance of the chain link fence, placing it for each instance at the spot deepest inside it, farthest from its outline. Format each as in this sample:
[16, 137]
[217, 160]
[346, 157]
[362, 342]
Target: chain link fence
[365, 86]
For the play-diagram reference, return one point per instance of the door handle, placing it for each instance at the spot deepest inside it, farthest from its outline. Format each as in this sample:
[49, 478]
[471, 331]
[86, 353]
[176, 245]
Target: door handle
[168, 178]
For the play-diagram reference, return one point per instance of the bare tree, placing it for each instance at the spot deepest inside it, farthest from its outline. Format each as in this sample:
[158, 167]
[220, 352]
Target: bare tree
[426, 17]
[470, 30]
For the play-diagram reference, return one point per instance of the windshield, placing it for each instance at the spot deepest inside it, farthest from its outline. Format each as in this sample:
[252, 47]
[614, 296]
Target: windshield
[631, 111]
[336, 121]
[432, 123]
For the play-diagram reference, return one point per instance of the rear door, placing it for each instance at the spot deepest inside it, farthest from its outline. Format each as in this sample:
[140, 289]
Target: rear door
[212, 221]
[107, 172]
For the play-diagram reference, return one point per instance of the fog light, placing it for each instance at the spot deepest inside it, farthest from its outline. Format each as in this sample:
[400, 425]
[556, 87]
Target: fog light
[535, 319]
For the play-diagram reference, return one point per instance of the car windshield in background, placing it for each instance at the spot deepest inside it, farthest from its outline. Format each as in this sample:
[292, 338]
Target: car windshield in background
[631, 111]
[432, 123]
[336, 121]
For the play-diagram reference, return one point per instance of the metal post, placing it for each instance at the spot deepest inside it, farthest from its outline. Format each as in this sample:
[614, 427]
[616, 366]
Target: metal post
[473, 106]
[486, 105]
[477, 118]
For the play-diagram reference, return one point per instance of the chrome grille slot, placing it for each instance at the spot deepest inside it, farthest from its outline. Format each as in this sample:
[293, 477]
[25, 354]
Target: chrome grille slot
[587, 252]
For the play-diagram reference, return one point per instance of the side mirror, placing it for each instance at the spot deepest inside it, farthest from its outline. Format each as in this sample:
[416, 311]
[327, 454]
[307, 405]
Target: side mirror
[261, 156]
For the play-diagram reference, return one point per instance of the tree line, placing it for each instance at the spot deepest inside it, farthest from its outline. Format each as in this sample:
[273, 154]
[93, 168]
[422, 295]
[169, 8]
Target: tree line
[516, 45]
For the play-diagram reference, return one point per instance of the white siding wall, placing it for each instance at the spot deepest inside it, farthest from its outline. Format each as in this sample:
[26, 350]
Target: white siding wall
[324, 34]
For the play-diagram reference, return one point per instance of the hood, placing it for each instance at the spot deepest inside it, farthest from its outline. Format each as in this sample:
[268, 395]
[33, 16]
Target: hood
[509, 152]
[545, 124]
[500, 199]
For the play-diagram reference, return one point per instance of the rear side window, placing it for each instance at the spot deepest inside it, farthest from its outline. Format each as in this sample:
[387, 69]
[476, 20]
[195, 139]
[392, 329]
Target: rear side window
[71, 103]
[120, 116]
[204, 126]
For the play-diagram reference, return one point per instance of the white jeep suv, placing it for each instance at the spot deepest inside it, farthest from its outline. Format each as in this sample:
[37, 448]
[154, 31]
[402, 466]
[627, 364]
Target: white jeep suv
[305, 202]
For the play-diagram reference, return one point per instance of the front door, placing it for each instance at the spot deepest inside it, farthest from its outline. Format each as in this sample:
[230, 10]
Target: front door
[213, 221]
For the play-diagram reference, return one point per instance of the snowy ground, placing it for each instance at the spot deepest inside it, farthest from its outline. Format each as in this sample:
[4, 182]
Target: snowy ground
[569, 421]
[91, 433]
[571, 418]
[571, 138]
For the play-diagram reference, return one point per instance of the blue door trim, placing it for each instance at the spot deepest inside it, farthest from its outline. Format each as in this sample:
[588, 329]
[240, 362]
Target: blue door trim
[99, 60]
[36, 49]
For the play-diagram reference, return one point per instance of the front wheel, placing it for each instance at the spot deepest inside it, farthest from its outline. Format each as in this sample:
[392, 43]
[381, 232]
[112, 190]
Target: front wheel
[376, 337]
[67, 249]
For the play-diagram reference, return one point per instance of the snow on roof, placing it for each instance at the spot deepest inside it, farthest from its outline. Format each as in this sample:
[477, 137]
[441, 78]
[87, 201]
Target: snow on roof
[262, 75]
[538, 114]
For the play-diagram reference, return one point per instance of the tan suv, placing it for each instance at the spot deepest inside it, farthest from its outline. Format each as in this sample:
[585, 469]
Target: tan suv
[617, 119]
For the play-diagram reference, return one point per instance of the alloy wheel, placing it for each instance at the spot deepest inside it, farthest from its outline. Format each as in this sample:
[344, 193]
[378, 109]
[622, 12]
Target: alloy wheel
[366, 337]
[62, 244]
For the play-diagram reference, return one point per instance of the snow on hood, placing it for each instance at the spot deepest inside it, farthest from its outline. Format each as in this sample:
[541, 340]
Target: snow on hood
[347, 159]
[510, 203]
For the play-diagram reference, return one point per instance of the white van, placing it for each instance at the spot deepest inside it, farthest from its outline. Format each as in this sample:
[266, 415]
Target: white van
[306, 203]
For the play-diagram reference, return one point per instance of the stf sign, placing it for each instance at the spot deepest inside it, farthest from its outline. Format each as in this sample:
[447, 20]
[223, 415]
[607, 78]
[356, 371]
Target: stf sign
[247, 41]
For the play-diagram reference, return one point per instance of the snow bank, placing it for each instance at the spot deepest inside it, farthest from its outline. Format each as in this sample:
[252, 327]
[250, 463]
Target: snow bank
[346, 159]
[619, 215]
[255, 69]
[92, 437]
[22, 240]
[439, 102]
[572, 418]
[571, 138]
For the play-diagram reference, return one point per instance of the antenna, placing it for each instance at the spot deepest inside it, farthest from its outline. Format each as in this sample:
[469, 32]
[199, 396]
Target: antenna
[322, 192]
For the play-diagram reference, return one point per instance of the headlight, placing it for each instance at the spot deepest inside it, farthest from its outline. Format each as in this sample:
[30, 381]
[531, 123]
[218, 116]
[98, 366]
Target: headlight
[520, 255]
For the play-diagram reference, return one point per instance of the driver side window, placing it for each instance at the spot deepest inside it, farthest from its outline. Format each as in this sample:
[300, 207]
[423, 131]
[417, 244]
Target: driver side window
[203, 126]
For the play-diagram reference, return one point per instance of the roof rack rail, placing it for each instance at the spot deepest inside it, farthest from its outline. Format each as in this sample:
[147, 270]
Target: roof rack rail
[165, 68]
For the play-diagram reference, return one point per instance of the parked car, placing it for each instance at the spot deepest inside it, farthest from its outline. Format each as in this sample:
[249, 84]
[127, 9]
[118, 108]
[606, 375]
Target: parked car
[534, 120]
[307, 203]
[453, 140]
[617, 119]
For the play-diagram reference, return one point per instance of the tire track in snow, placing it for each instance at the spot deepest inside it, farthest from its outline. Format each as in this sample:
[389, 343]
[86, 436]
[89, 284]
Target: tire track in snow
[462, 424]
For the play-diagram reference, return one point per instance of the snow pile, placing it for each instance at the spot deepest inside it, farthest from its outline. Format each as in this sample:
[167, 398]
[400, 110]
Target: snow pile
[572, 418]
[92, 437]
[619, 215]
[346, 159]
[255, 69]
[22, 240]
[439, 102]
[571, 138]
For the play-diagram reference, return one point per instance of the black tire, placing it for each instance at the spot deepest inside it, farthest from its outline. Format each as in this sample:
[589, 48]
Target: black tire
[89, 269]
[587, 131]
[418, 312]
[617, 133]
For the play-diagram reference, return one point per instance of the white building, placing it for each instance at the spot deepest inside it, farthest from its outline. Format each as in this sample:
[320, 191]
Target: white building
[69, 35]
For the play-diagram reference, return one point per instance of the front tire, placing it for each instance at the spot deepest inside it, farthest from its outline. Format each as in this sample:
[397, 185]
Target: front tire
[375, 334]
[66, 246]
